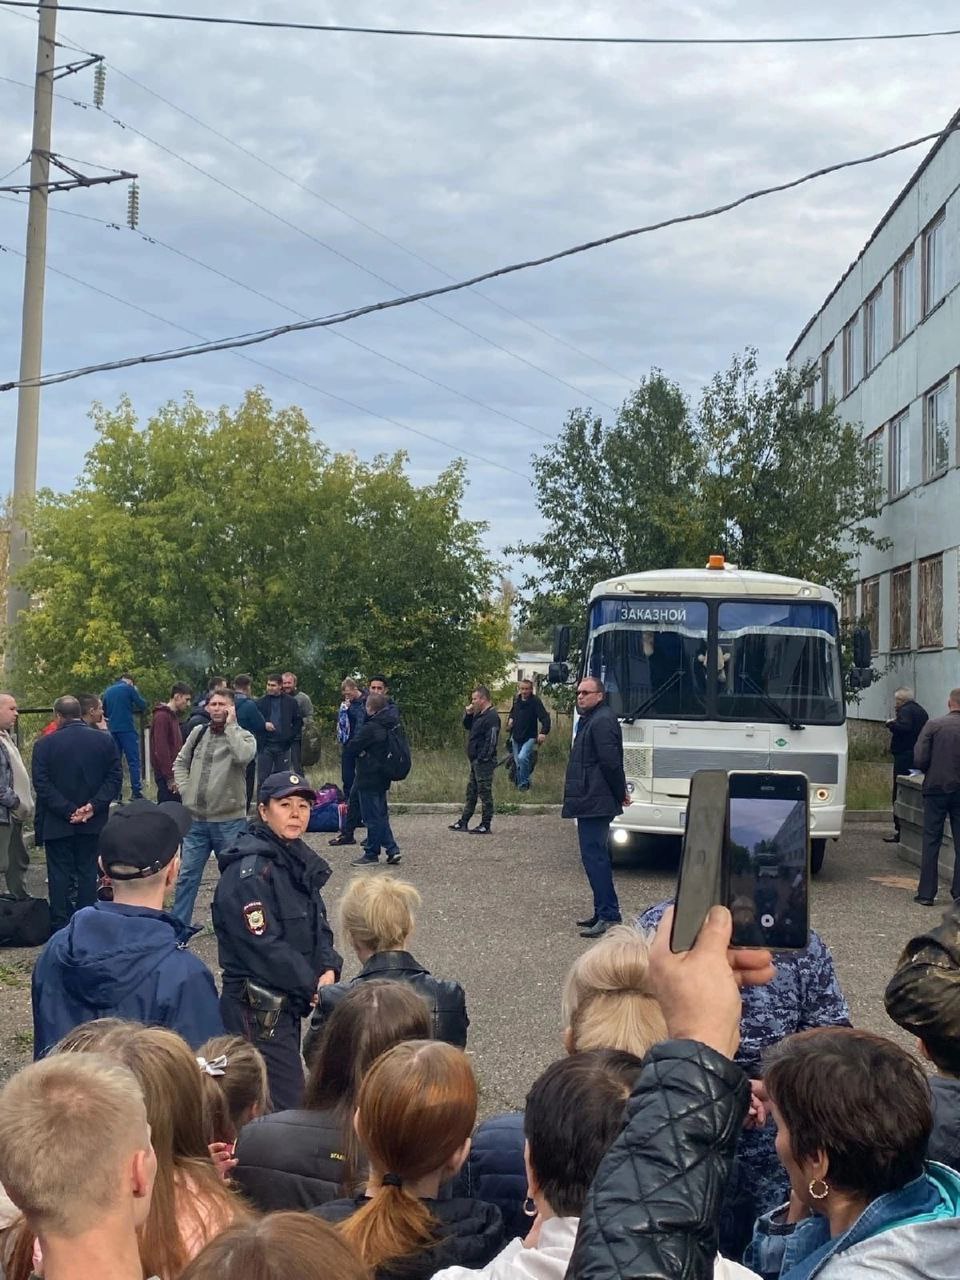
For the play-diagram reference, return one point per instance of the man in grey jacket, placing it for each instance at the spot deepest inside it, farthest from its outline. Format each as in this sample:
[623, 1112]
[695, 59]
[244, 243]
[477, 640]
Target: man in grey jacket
[210, 773]
[16, 802]
[937, 754]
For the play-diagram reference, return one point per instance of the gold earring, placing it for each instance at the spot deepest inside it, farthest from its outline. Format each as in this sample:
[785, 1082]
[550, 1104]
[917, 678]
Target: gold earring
[818, 1195]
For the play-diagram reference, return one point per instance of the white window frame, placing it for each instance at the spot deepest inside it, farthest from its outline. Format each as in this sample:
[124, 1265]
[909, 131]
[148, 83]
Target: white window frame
[872, 355]
[934, 262]
[899, 465]
[936, 432]
[852, 353]
[904, 296]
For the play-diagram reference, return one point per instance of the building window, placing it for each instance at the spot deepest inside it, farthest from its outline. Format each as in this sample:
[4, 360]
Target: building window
[873, 460]
[936, 432]
[808, 396]
[825, 361]
[852, 353]
[904, 296]
[871, 332]
[870, 603]
[930, 603]
[848, 607]
[900, 454]
[900, 608]
[934, 262]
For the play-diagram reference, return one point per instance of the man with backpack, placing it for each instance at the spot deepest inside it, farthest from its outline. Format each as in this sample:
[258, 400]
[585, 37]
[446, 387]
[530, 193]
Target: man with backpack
[380, 755]
[211, 775]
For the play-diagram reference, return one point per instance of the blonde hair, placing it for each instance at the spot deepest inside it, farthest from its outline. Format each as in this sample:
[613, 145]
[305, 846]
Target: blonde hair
[190, 1201]
[377, 913]
[606, 1002]
[67, 1124]
[417, 1107]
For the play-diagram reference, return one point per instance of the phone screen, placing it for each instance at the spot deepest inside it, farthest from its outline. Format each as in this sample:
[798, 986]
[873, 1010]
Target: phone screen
[767, 861]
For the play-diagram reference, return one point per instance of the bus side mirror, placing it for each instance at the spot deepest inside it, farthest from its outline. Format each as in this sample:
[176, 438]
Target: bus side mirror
[862, 648]
[561, 644]
[558, 673]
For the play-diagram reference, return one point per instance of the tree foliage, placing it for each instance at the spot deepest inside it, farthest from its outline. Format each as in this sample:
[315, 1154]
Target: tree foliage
[754, 472]
[235, 541]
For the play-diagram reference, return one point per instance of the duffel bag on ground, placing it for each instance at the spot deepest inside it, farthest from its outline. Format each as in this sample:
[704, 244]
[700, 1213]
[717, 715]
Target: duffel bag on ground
[24, 922]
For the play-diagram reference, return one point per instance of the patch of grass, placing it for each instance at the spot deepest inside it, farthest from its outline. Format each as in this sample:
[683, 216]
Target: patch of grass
[23, 1039]
[14, 973]
[868, 785]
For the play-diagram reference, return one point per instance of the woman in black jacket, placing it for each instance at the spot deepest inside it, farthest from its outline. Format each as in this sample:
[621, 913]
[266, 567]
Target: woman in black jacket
[415, 1113]
[376, 914]
[299, 1159]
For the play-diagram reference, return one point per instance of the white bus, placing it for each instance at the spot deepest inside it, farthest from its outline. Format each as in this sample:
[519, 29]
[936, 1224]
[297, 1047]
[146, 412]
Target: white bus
[719, 668]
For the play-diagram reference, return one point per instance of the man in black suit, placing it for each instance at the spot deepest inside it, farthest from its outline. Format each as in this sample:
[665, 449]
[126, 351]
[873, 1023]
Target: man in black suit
[594, 792]
[284, 724]
[76, 775]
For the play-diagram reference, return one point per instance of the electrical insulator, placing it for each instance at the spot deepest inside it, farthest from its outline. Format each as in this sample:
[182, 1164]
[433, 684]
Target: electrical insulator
[133, 206]
[99, 83]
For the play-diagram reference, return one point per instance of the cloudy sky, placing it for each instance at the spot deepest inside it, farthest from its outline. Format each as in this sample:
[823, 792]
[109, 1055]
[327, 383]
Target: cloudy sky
[426, 157]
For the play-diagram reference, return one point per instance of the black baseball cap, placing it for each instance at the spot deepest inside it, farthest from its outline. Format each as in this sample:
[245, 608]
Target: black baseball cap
[283, 784]
[143, 835]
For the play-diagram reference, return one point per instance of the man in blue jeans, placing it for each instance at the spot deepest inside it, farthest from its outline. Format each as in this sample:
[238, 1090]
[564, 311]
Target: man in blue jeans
[529, 724]
[211, 776]
[594, 792]
[120, 703]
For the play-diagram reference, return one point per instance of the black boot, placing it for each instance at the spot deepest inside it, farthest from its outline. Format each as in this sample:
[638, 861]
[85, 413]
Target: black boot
[481, 829]
[459, 825]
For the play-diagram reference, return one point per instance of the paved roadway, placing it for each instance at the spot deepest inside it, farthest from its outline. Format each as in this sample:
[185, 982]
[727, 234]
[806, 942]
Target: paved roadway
[498, 915]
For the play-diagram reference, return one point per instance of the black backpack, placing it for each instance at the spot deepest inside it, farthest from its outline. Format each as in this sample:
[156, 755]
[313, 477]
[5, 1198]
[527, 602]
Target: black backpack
[397, 761]
[24, 922]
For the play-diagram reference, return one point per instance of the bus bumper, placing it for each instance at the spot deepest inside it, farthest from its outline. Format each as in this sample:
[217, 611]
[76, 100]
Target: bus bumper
[826, 821]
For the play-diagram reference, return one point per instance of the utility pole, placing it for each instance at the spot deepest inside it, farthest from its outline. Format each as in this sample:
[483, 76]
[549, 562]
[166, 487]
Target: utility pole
[34, 277]
[31, 347]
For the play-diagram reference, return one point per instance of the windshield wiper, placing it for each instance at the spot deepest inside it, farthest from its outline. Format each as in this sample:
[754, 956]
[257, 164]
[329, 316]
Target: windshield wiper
[777, 708]
[647, 703]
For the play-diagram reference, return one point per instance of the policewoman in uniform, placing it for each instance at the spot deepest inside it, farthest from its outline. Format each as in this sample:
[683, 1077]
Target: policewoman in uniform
[276, 947]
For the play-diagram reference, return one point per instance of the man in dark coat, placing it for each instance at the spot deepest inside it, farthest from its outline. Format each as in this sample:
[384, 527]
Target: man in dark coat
[482, 723]
[594, 792]
[283, 728]
[76, 775]
[908, 719]
[367, 750]
[937, 754]
[128, 958]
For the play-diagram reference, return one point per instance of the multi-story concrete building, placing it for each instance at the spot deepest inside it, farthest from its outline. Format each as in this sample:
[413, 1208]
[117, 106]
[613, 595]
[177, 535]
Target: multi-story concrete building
[887, 344]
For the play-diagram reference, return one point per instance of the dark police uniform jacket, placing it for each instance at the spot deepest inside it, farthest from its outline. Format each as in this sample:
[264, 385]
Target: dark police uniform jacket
[270, 919]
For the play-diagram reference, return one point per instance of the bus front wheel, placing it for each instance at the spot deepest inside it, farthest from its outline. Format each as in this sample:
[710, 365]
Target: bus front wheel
[818, 850]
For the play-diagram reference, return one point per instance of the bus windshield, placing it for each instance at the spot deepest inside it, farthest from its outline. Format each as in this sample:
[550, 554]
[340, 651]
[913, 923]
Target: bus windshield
[747, 660]
[651, 655]
[782, 653]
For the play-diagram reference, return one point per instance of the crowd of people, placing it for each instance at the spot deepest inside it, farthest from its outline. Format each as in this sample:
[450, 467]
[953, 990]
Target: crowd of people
[128, 1151]
[709, 1114]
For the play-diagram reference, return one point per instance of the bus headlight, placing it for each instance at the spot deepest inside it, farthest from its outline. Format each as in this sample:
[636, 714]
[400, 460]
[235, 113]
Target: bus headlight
[823, 795]
[621, 835]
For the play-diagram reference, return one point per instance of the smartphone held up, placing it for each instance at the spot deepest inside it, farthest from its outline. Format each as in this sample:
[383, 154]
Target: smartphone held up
[747, 847]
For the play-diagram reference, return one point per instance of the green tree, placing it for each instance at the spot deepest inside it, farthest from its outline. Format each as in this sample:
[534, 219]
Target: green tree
[614, 499]
[786, 487]
[235, 541]
[755, 472]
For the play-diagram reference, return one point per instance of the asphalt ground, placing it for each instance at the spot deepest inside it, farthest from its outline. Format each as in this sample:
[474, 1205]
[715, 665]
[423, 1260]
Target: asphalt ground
[498, 915]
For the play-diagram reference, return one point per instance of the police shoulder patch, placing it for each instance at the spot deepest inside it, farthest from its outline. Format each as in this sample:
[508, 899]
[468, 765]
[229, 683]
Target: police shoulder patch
[255, 918]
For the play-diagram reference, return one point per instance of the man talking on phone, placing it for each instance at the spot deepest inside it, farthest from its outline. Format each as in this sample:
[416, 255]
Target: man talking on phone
[594, 792]
[211, 775]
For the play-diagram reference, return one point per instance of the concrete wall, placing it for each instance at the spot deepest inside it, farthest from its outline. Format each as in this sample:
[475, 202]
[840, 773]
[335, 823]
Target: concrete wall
[925, 519]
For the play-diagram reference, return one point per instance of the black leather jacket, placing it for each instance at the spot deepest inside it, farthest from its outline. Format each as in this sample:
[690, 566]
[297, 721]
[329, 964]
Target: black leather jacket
[654, 1206]
[445, 1000]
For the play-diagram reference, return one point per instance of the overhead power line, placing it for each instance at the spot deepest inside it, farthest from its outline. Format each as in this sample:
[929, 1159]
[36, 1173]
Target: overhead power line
[342, 317]
[394, 422]
[279, 24]
[309, 235]
[147, 238]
